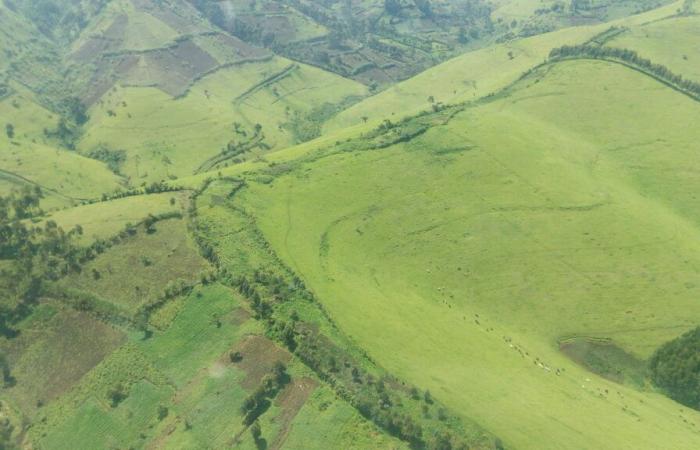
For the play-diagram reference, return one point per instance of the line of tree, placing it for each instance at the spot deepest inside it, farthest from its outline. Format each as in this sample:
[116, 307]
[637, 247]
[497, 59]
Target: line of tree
[274, 294]
[156, 187]
[631, 58]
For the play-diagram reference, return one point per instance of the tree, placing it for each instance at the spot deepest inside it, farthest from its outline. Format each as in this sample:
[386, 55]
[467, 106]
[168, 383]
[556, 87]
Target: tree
[235, 357]
[6, 431]
[76, 110]
[256, 431]
[10, 130]
[579, 5]
[5, 375]
[116, 395]
[675, 367]
[427, 397]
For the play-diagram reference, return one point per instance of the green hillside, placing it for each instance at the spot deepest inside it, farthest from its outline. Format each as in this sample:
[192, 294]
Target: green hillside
[655, 39]
[572, 223]
[302, 224]
[481, 72]
[216, 122]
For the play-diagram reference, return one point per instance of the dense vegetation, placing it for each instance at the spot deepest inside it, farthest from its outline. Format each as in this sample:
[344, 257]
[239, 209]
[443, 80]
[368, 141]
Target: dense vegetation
[675, 368]
[632, 58]
[37, 254]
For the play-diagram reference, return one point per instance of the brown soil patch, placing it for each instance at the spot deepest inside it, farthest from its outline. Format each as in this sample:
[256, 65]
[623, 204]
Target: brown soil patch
[176, 68]
[109, 40]
[291, 400]
[104, 76]
[259, 357]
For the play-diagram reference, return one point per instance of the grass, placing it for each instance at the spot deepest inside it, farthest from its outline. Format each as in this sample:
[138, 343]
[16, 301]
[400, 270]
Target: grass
[607, 360]
[562, 210]
[105, 219]
[193, 378]
[672, 42]
[205, 117]
[323, 422]
[475, 74]
[56, 347]
[106, 427]
[141, 30]
[29, 158]
[137, 270]
[476, 250]
[88, 404]
[204, 330]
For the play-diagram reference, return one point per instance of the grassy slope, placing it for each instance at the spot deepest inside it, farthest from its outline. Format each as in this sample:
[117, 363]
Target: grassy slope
[194, 128]
[139, 269]
[475, 74]
[574, 221]
[29, 158]
[142, 30]
[675, 43]
[105, 219]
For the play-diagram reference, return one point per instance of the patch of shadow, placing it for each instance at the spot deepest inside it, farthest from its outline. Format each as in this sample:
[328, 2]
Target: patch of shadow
[603, 357]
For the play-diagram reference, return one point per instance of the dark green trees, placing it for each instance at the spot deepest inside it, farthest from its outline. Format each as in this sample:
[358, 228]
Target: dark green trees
[675, 367]
[631, 58]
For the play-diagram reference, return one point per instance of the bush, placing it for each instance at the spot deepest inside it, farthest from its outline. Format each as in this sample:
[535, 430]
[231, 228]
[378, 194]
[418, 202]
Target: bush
[117, 395]
[162, 412]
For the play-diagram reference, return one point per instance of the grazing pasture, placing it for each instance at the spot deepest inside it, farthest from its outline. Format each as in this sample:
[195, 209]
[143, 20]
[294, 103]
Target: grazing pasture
[481, 243]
